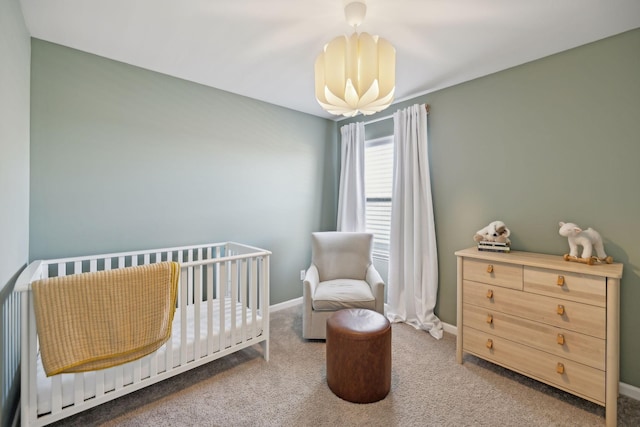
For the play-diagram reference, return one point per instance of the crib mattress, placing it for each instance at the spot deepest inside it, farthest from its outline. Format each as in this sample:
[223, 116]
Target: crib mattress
[158, 358]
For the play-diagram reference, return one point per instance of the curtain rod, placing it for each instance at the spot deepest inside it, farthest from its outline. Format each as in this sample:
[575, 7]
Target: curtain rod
[379, 119]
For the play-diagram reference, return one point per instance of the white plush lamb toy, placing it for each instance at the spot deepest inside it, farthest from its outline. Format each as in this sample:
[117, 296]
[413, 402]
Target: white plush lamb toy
[496, 231]
[588, 239]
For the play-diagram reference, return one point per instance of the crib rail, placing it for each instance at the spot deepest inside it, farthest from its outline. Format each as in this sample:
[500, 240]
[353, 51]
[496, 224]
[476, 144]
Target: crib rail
[223, 303]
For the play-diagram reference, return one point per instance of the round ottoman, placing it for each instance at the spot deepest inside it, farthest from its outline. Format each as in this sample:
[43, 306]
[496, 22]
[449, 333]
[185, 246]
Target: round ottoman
[359, 355]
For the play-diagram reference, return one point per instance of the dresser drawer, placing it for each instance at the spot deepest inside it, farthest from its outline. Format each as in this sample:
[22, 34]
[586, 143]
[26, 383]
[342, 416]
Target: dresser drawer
[570, 286]
[574, 377]
[495, 273]
[583, 318]
[571, 345]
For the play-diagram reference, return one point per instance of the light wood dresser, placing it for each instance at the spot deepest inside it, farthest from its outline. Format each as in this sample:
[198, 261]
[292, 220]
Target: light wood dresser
[544, 317]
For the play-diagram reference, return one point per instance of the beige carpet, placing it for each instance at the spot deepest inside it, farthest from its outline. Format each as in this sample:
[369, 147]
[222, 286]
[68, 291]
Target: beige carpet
[428, 388]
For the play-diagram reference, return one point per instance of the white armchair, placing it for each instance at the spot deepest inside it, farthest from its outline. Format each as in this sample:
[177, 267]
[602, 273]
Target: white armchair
[341, 275]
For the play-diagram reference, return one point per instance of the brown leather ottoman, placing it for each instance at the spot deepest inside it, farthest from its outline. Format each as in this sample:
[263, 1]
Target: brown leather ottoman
[359, 355]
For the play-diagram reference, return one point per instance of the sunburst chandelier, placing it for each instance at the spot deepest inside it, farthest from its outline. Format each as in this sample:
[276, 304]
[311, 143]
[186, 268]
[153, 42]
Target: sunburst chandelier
[357, 73]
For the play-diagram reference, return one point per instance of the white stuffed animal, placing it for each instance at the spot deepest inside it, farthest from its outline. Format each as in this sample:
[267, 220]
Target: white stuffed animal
[496, 231]
[588, 239]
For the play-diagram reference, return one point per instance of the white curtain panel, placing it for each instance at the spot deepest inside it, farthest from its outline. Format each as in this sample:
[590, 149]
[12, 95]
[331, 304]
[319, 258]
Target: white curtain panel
[351, 197]
[413, 263]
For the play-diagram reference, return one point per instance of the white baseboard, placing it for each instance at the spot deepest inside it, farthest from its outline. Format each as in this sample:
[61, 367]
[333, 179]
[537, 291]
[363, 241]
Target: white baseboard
[630, 391]
[453, 330]
[286, 304]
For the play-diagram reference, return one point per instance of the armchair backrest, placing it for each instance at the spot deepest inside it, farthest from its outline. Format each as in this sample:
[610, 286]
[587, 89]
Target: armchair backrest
[341, 255]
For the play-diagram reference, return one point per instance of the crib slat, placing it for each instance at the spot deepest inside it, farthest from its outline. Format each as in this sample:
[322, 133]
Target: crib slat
[184, 284]
[153, 363]
[137, 370]
[264, 303]
[127, 375]
[197, 300]
[222, 298]
[253, 297]
[93, 265]
[197, 351]
[99, 383]
[190, 277]
[78, 385]
[210, 306]
[180, 297]
[168, 364]
[234, 299]
[56, 394]
[62, 269]
[119, 377]
[243, 298]
[217, 275]
[109, 380]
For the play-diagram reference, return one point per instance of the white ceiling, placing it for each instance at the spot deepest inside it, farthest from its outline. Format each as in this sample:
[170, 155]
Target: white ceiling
[266, 49]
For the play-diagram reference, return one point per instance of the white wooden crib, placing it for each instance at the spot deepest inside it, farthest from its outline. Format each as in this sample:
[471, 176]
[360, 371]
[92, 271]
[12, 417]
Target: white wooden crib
[223, 307]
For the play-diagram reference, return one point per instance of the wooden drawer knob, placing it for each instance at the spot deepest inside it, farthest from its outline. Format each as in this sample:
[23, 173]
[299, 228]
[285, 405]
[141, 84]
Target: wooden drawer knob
[489, 294]
[489, 268]
[560, 368]
[560, 339]
[560, 309]
[560, 280]
[490, 343]
[489, 318]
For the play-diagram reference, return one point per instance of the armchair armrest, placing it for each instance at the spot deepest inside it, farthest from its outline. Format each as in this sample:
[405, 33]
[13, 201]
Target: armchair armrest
[311, 281]
[374, 280]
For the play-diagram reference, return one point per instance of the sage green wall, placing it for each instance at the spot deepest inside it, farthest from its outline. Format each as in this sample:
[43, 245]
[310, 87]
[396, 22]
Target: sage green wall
[14, 140]
[556, 139]
[124, 158]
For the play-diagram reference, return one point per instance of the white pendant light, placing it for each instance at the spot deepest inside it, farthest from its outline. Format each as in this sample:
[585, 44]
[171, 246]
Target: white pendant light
[357, 73]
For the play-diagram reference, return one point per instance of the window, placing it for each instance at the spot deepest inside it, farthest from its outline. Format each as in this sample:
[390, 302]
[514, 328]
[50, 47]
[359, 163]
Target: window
[378, 183]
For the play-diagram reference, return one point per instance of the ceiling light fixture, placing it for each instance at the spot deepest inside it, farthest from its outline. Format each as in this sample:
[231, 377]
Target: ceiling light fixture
[356, 74]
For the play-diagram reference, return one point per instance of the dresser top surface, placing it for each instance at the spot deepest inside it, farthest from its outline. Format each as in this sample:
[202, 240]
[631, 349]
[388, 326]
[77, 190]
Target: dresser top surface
[533, 259]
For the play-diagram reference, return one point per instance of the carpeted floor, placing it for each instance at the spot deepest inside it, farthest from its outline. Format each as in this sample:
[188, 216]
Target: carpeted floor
[428, 388]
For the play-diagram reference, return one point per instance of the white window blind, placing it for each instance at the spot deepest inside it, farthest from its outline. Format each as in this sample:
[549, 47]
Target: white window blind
[378, 179]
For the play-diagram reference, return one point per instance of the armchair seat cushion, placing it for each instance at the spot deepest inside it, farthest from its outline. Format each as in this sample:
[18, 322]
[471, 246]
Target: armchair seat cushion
[332, 295]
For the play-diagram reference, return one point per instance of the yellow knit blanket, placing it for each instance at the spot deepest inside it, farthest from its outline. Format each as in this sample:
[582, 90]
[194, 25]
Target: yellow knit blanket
[93, 321]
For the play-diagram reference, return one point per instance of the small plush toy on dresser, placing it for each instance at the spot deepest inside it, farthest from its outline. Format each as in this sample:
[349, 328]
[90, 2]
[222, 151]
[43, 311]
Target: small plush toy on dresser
[494, 237]
[589, 239]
